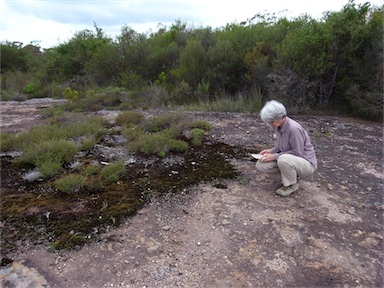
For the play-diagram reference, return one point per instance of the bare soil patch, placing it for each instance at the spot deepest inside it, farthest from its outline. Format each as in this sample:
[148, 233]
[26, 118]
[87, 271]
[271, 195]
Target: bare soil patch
[329, 233]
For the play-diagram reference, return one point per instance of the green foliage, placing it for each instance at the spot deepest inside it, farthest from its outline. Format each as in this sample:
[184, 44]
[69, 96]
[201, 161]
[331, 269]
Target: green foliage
[165, 121]
[304, 49]
[224, 63]
[131, 133]
[48, 154]
[74, 56]
[157, 143]
[13, 57]
[88, 143]
[95, 100]
[30, 89]
[49, 147]
[49, 167]
[14, 82]
[113, 172]
[71, 95]
[129, 117]
[70, 184]
[191, 68]
[202, 124]
[162, 79]
[7, 141]
[239, 103]
[197, 135]
[91, 170]
[306, 63]
[182, 93]
[369, 105]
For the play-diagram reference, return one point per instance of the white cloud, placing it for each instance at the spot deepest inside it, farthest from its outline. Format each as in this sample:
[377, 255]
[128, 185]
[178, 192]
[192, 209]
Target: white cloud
[54, 22]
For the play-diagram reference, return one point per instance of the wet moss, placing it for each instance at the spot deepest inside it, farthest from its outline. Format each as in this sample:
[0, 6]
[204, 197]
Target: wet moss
[38, 214]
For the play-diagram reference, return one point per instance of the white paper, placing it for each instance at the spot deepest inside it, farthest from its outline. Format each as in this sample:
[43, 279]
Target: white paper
[257, 156]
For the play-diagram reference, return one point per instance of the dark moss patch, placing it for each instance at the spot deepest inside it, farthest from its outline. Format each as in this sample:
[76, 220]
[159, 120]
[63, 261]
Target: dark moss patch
[36, 213]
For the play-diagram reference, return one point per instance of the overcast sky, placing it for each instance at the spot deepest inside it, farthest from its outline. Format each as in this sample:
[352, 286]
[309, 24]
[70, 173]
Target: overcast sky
[50, 22]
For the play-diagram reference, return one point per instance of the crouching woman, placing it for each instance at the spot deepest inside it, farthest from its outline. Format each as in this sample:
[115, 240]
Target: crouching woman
[293, 155]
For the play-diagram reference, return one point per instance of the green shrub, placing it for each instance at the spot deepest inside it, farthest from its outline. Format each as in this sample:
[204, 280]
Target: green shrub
[88, 143]
[71, 95]
[129, 117]
[49, 168]
[97, 100]
[71, 183]
[113, 172]
[6, 141]
[48, 154]
[76, 124]
[177, 145]
[202, 125]
[164, 121]
[90, 170]
[197, 135]
[157, 143]
[30, 89]
[131, 133]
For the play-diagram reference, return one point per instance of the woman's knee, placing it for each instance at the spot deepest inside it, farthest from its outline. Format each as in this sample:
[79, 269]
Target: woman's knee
[260, 166]
[284, 160]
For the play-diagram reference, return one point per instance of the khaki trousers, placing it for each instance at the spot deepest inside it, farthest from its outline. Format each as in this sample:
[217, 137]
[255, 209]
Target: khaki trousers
[288, 166]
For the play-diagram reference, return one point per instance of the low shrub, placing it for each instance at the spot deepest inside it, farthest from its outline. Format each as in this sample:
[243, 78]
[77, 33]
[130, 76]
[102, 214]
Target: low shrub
[157, 143]
[88, 143]
[30, 89]
[49, 168]
[197, 135]
[113, 172]
[50, 151]
[131, 133]
[6, 141]
[90, 170]
[129, 117]
[202, 125]
[71, 183]
[165, 121]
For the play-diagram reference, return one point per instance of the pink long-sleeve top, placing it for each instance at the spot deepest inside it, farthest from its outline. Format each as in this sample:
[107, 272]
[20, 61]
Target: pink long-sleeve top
[292, 138]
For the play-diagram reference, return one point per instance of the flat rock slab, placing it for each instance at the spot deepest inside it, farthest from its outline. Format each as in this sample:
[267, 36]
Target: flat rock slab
[329, 233]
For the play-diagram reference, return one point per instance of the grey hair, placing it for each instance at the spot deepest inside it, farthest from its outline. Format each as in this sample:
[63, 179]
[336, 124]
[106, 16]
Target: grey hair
[272, 110]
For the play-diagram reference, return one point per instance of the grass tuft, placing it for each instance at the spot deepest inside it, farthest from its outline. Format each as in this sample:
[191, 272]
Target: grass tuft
[71, 183]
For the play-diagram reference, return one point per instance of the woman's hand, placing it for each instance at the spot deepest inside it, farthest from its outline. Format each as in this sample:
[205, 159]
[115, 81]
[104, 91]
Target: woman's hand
[268, 157]
[266, 151]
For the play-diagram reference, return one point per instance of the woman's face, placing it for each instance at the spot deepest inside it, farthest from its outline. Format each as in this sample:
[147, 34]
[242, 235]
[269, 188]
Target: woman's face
[277, 123]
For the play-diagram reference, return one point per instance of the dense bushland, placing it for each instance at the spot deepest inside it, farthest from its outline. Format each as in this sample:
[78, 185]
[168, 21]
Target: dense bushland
[334, 64]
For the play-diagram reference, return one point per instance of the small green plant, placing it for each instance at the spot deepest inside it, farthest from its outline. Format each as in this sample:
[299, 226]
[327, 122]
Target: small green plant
[30, 89]
[197, 135]
[50, 153]
[162, 154]
[131, 133]
[202, 125]
[71, 95]
[88, 143]
[164, 121]
[113, 172]
[6, 141]
[129, 118]
[49, 168]
[90, 170]
[157, 143]
[71, 183]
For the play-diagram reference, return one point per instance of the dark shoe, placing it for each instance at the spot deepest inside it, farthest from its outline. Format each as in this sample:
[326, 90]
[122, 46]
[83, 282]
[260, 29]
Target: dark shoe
[287, 190]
